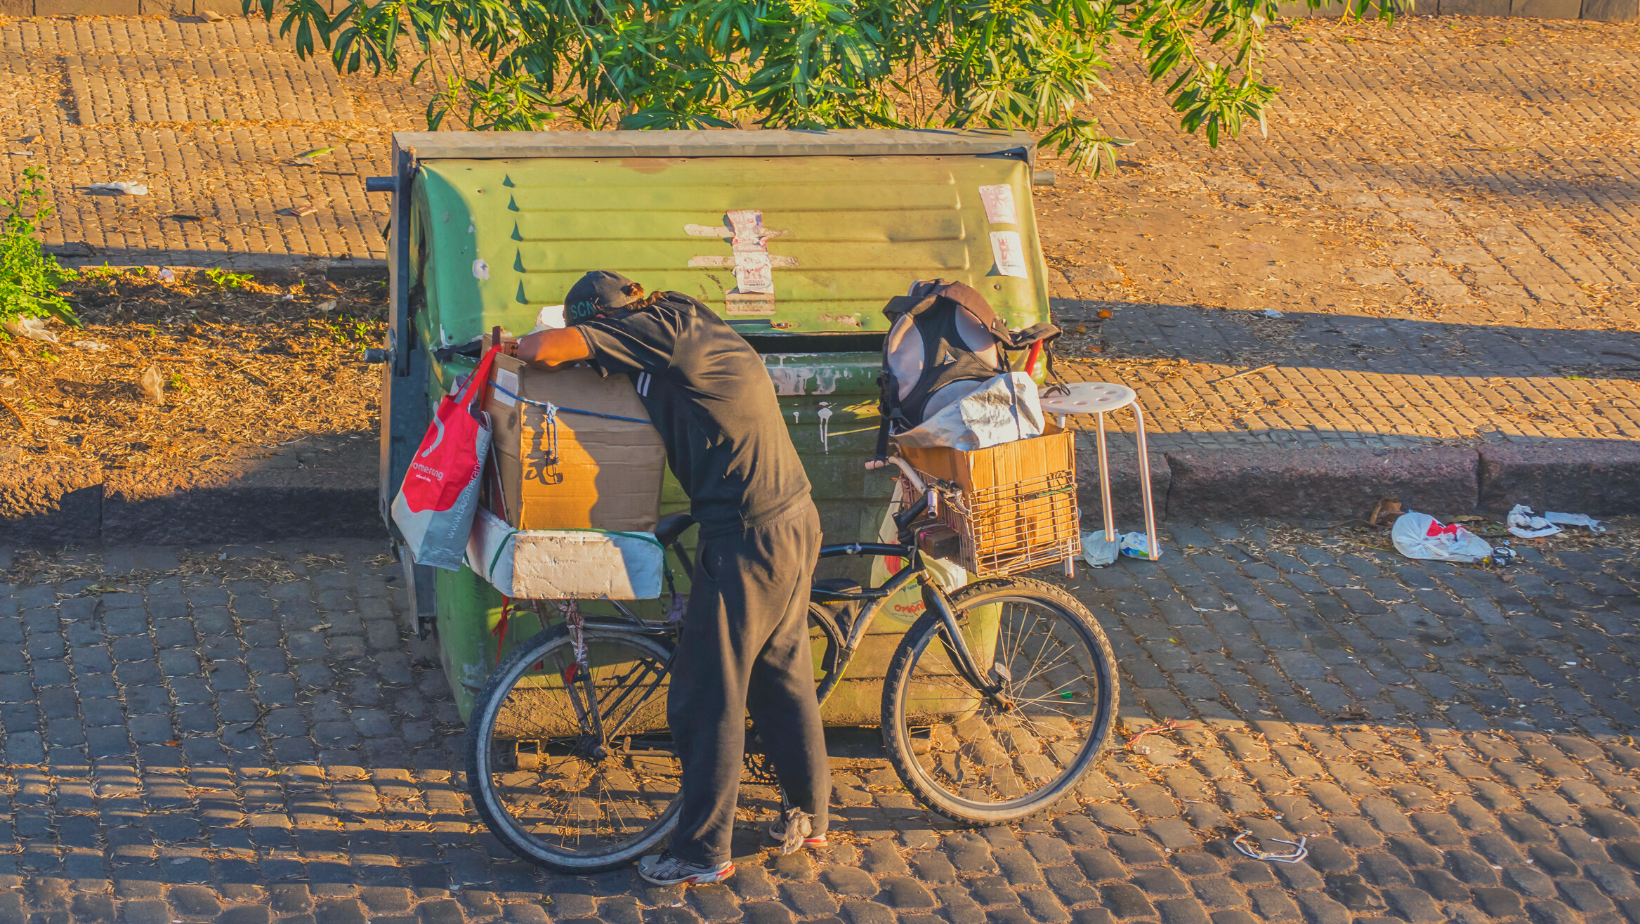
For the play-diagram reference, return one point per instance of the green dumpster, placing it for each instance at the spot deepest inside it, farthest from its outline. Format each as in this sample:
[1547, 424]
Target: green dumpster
[796, 238]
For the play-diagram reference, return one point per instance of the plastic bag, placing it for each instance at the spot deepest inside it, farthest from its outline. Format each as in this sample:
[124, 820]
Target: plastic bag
[1099, 551]
[30, 328]
[907, 607]
[119, 189]
[1419, 535]
[1575, 519]
[435, 506]
[1523, 524]
[1137, 545]
[1004, 409]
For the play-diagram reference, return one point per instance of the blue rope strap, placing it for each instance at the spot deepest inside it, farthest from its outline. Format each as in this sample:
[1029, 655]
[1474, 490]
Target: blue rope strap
[552, 409]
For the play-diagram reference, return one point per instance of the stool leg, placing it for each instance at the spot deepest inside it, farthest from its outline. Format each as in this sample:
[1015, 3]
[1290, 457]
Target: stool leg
[1104, 483]
[1144, 481]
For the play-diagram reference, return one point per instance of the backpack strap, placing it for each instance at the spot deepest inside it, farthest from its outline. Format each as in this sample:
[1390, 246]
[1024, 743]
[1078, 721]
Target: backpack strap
[1045, 331]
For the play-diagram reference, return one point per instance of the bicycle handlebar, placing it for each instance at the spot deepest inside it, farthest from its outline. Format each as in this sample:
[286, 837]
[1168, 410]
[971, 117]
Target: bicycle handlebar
[906, 517]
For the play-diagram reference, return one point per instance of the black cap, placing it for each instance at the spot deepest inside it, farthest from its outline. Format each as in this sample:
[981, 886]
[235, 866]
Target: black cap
[598, 291]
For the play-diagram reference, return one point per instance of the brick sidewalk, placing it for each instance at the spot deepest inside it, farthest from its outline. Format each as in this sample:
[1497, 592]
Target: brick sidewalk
[242, 735]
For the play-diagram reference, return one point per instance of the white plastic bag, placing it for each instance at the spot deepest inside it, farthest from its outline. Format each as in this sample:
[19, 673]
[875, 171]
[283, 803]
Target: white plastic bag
[120, 189]
[1097, 550]
[1004, 409]
[1523, 524]
[31, 329]
[907, 608]
[1136, 545]
[1419, 535]
[1575, 519]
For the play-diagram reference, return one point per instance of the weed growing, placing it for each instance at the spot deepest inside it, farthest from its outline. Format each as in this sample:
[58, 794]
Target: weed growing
[31, 280]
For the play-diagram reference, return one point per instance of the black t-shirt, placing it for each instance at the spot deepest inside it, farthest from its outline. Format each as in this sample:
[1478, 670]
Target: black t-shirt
[709, 395]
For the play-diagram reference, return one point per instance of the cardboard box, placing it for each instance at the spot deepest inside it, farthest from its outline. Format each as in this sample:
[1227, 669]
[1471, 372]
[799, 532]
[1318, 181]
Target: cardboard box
[1005, 464]
[608, 472]
[1017, 506]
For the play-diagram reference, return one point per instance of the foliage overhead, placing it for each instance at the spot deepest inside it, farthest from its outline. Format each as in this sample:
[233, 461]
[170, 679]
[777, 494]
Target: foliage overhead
[806, 64]
[30, 278]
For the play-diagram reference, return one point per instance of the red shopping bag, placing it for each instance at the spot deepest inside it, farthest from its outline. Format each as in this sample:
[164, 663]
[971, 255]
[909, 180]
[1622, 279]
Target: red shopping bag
[435, 505]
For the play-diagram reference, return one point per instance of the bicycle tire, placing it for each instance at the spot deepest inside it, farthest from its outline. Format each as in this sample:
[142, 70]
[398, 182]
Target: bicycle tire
[487, 772]
[960, 744]
[826, 674]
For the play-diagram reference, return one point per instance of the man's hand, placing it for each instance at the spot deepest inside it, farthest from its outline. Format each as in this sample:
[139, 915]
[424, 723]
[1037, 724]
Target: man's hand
[554, 347]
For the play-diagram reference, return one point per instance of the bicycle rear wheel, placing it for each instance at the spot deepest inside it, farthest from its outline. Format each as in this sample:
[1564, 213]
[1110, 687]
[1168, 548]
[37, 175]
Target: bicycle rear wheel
[573, 769]
[963, 755]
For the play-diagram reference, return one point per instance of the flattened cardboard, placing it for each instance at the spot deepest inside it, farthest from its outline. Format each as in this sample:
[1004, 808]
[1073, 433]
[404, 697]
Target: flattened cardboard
[608, 474]
[564, 564]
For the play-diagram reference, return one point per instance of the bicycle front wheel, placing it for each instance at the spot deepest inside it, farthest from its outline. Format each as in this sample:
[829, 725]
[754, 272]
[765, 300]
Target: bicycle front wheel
[987, 763]
[574, 769]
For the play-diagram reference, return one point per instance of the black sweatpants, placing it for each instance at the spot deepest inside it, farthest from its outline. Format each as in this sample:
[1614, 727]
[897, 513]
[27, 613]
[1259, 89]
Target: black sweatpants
[745, 644]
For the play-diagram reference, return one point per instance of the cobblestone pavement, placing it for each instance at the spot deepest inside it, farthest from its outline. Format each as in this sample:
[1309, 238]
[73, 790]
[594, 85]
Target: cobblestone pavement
[243, 735]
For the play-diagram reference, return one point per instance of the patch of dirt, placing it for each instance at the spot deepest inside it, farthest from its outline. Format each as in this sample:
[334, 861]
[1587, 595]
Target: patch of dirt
[245, 366]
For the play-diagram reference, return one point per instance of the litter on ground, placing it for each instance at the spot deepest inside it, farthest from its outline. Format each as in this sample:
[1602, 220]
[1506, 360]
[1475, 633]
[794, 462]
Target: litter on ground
[1419, 535]
[1575, 519]
[30, 329]
[1098, 551]
[1299, 852]
[120, 189]
[1523, 523]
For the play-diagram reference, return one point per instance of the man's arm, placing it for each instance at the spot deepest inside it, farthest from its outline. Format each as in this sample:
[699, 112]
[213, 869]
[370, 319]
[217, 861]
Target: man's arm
[554, 347]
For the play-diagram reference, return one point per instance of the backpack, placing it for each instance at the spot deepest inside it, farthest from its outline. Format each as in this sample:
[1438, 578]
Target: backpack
[942, 334]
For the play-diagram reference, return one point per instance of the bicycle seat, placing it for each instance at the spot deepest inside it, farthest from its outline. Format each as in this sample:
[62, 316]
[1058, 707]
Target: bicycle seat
[671, 526]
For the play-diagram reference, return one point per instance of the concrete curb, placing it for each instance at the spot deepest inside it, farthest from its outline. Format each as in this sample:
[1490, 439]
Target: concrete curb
[1597, 477]
[55, 504]
[47, 505]
[1321, 483]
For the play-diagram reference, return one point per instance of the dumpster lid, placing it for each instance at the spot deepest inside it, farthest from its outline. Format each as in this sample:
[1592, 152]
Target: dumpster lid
[715, 143]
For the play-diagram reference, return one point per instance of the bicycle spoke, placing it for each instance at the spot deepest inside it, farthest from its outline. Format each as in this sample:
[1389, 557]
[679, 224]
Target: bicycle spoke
[983, 753]
[582, 761]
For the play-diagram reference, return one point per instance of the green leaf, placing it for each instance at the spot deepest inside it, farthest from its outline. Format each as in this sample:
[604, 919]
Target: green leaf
[658, 64]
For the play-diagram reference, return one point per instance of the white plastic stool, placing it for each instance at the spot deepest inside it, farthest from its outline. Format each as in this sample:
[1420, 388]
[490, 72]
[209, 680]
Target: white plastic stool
[1101, 398]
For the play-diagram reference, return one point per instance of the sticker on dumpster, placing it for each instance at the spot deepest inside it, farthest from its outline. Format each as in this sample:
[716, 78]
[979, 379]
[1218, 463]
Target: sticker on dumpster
[710, 262]
[999, 204]
[481, 270]
[753, 272]
[749, 259]
[1009, 254]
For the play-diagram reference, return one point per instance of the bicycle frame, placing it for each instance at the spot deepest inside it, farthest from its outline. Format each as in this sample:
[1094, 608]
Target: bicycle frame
[873, 601]
[875, 598]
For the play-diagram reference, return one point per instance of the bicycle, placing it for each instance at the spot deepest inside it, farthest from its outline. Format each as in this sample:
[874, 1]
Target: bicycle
[570, 765]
